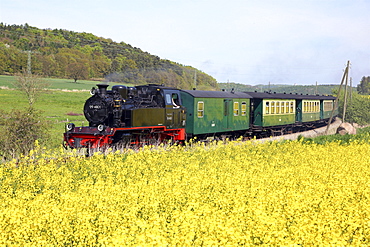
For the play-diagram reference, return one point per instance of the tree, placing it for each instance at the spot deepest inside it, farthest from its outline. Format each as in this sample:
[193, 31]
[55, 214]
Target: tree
[30, 84]
[364, 86]
[77, 71]
[358, 109]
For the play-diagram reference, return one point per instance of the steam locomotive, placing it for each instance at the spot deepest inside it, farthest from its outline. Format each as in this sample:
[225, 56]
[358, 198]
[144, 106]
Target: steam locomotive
[150, 114]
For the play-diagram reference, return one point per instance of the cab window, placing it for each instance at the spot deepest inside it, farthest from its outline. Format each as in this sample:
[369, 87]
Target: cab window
[168, 99]
[173, 99]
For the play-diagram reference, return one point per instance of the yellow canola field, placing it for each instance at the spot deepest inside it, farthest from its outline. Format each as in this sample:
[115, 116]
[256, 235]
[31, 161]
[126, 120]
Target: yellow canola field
[242, 193]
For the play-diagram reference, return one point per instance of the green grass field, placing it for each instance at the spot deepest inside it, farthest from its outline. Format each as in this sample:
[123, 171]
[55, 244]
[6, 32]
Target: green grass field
[66, 84]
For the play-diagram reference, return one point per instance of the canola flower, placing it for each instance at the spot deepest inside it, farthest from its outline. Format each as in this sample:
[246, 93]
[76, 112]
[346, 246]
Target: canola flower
[242, 193]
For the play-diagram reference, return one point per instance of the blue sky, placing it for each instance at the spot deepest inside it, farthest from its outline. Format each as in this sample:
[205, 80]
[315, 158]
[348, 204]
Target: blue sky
[244, 41]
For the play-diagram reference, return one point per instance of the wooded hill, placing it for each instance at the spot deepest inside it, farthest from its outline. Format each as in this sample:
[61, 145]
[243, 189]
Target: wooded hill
[67, 54]
[279, 88]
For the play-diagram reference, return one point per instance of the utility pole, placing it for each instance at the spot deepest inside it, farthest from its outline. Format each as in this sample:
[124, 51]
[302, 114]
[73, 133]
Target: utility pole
[350, 90]
[345, 96]
[195, 78]
[29, 62]
[336, 100]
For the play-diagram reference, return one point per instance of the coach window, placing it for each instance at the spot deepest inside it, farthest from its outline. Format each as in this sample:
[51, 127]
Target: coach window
[277, 107]
[200, 109]
[267, 108]
[291, 107]
[328, 106]
[244, 109]
[236, 108]
[282, 108]
[272, 107]
[286, 107]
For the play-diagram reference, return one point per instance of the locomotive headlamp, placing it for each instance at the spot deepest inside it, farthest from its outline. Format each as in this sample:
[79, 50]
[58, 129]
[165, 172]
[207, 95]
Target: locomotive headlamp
[70, 126]
[101, 127]
[93, 91]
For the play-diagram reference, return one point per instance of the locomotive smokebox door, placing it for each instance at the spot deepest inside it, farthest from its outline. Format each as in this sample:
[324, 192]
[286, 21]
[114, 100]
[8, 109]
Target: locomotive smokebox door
[96, 110]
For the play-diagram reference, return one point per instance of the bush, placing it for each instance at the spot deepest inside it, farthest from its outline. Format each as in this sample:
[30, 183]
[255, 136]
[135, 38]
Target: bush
[358, 109]
[20, 129]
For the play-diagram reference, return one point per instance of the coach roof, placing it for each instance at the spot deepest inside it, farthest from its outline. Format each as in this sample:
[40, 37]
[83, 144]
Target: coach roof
[270, 95]
[217, 94]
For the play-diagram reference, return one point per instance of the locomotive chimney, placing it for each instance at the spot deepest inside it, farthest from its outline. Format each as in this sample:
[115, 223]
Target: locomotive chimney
[102, 88]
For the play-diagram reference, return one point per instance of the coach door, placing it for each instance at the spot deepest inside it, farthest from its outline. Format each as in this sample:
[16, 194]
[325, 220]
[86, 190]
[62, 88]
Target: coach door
[322, 109]
[227, 114]
[298, 113]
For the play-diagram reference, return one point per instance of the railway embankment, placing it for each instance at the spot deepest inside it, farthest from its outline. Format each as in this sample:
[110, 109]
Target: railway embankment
[308, 134]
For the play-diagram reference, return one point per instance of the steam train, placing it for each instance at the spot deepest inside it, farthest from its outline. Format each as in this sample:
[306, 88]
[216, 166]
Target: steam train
[152, 113]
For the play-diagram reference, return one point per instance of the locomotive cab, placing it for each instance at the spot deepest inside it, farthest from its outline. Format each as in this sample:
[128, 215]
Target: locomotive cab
[149, 105]
[165, 107]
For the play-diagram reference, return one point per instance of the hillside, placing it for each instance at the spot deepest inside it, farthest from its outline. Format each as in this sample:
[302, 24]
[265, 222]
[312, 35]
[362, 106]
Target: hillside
[66, 54]
[304, 89]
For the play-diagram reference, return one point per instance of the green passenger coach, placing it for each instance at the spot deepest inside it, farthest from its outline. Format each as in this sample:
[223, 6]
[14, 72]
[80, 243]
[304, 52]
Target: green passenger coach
[211, 112]
[272, 109]
[327, 109]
